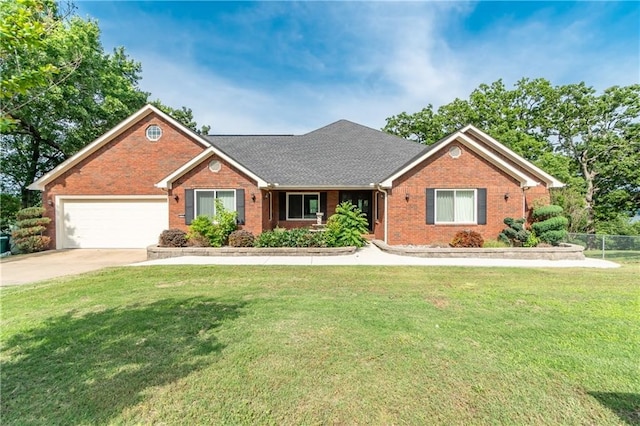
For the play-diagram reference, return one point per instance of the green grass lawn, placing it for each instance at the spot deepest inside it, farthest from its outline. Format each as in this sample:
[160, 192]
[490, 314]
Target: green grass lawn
[323, 345]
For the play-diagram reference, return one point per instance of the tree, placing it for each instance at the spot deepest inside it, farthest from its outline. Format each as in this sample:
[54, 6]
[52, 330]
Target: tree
[589, 142]
[62, 91]
[600, 134]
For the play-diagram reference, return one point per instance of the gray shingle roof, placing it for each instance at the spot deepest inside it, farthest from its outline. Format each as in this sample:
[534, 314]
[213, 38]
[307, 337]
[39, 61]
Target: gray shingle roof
[340, 154]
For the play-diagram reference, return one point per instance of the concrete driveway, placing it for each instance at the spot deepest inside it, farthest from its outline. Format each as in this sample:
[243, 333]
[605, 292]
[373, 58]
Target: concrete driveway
[23, 269]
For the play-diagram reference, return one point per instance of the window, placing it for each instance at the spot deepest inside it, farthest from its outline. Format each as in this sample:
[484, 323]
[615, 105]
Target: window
[154, 132]
[455, 206]
[205, 201]
[302, 206]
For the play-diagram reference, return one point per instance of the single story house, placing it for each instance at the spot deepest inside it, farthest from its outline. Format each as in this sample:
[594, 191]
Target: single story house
[150, 173]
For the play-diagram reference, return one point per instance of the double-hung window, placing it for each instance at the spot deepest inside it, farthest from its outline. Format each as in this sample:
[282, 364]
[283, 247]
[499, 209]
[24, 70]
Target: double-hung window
[205, 201]
[302, 206]
[455, 206]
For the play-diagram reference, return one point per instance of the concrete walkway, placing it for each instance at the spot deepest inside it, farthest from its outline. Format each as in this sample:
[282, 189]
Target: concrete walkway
[372, 255]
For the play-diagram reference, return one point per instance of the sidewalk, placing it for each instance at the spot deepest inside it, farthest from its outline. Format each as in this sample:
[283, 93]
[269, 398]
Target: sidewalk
[372, 255]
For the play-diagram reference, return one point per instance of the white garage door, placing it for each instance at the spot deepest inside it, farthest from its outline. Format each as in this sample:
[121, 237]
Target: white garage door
[112, 223]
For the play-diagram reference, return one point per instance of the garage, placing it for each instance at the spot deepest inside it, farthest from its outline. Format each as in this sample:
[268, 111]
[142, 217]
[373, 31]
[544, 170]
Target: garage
[110, 222]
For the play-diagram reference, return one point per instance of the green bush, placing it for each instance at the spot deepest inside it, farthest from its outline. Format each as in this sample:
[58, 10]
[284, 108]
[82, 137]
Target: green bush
[30, 224]
[467, 239]
[546, 212]
[554, 237]
[299, 237]
[214, 232]
[550, 226]
[515, 234]
[241, 238]
[347, 226]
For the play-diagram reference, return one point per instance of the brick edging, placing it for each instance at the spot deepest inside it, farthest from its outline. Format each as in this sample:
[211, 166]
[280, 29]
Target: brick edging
[562, 252]
[155, 252]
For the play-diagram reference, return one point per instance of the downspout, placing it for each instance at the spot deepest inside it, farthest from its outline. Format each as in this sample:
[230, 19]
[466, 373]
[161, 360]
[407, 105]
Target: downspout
[386, 211]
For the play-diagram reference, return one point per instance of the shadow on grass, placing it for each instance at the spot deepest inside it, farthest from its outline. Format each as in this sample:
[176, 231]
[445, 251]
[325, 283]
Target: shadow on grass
[625, 405]
[86, 368]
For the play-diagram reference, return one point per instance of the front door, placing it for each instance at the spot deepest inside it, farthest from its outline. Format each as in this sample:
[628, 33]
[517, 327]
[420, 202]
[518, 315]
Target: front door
[361, 199]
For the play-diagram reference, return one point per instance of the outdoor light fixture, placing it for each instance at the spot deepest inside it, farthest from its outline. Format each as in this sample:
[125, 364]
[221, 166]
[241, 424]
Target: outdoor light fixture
[406, 196]
[253, 197]
[506, 196]
[176, 197]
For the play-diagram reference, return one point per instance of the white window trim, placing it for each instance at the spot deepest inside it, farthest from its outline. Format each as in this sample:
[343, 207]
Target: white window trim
[215, 190]
[475, 206]
[153, 138]
[303, 194]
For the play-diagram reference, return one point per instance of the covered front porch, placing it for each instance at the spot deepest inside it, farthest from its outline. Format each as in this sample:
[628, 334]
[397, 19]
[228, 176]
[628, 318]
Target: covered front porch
[300, 208]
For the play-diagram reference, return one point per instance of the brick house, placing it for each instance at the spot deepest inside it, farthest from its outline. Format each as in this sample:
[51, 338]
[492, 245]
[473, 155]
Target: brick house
[150, 173]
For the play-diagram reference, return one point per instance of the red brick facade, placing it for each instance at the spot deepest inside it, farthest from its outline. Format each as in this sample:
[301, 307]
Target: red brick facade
[130, 165]
[407, 200]
[228, 177]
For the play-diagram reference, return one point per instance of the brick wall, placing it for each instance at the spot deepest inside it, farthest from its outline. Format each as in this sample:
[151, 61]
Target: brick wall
[407, 219]
[130, 164]
[228, 177]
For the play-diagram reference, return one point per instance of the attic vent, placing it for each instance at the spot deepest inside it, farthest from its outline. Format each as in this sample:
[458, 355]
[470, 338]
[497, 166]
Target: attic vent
[154, 132]
[215, 166]
[455, 152]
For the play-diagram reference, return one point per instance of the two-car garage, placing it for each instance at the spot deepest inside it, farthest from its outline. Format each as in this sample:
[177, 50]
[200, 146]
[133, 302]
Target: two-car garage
[110, 222]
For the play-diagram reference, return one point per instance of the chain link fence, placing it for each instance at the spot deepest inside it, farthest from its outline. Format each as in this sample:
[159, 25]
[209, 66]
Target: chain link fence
[607, 245]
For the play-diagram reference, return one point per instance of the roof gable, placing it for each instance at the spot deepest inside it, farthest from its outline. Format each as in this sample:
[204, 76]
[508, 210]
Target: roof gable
[119, 129]
[514, 165]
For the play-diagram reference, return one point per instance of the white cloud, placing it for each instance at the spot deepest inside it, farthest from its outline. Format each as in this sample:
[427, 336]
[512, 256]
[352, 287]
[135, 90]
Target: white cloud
[398, 59]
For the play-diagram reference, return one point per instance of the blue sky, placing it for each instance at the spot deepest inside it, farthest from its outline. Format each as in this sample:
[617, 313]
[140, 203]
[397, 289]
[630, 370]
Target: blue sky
[289, 67]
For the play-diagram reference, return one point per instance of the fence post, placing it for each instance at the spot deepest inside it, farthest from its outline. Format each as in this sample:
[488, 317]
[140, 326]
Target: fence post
[603, 246]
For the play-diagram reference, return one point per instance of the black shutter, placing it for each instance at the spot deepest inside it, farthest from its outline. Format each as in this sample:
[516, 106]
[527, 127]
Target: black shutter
[240, 206]
[323, 204]
[431, 195]
[282, 205]
[482, 206]
[188, 206]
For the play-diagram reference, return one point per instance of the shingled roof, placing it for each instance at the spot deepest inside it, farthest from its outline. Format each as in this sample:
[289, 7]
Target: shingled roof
[342, 154]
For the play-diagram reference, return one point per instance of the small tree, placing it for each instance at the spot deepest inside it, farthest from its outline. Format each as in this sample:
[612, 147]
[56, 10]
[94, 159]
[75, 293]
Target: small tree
[347, 226]
[515, 234]
[30, 224]
[550, 226]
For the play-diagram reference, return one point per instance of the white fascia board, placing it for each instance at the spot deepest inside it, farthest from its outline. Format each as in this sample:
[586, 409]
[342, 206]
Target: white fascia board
[525, 181]
[524, 163]
[40, 184]
[209, 152]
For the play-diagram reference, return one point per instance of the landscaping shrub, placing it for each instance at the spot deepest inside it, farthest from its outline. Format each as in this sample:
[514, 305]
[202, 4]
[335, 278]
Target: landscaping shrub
[545, 212]
[467, 239]
[347, 226]
[300, 237]
[550, 226]
[515, 235]
[30, 225]
[241, 238]
[205, 231]
[173, 238]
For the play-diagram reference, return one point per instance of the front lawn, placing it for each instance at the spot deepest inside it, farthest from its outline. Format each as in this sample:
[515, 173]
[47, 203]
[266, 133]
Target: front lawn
[323, 345]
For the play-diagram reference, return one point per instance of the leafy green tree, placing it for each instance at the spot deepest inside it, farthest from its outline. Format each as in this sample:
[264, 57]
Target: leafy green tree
[60, 90]
[599, 133]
